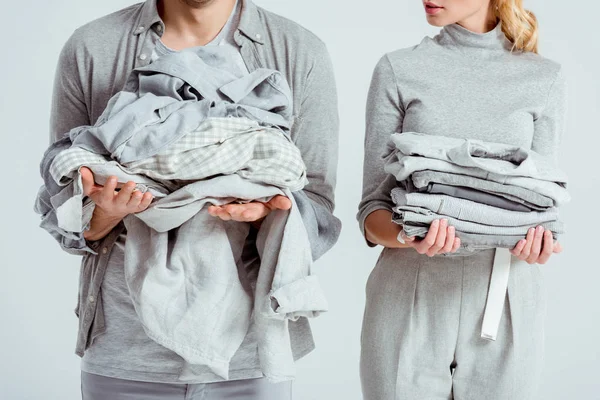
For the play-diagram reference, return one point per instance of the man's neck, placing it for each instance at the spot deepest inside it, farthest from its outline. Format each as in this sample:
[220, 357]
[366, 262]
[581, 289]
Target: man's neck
[187, 26]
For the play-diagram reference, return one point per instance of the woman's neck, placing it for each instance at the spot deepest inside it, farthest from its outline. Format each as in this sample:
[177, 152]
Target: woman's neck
[482, 21]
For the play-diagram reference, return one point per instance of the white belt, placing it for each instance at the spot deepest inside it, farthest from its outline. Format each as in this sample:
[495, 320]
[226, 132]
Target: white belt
[496, 294]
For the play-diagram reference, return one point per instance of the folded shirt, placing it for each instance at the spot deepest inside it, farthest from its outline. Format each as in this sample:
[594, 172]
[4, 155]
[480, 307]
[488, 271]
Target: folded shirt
[455, 157]
[496, 158]
[429, 204]
[481, 190]
[418, 225]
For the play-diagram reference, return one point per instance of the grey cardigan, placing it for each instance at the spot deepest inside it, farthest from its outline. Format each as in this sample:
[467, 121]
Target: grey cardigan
[94, 65]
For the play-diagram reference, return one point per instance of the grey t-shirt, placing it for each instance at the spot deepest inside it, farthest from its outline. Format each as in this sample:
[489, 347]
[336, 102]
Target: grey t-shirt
[124, 350]
[223, 38]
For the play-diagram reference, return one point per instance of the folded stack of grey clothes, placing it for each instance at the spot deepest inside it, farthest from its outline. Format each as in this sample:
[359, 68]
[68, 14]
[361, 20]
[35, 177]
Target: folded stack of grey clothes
[196, 131]
[492, 193]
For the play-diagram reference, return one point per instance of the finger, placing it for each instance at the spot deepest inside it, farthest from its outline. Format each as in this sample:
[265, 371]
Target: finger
[527, 248]
[247, 212]
[456, 245]
[87, 180]
[516, 251]
[547, 247]
[234, 210]
[255, 215]
[125, 194]
[557, 247]
[429, 239]
[221, 213]
[450, 236]
[440, 240]
[108, 193]
[259, 211]
[212, 210]
[536, 246]
[280, 202]
[135, 200]
[145, 202]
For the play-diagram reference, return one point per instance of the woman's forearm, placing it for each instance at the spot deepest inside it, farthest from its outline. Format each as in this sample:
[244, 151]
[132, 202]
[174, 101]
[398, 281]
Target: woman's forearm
[380, 229]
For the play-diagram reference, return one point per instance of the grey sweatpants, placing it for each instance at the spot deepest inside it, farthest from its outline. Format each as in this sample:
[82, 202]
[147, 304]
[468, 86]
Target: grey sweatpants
[97, 387]
[422, 324]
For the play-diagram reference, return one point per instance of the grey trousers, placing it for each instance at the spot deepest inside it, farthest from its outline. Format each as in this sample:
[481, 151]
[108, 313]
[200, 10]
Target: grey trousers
[97, 387]
[422, 323]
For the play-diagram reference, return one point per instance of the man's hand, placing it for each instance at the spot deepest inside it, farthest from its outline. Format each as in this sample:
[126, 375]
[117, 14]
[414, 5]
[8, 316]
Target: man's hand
[111, 206]
[114, 203]
[537, 247]
[250, 212]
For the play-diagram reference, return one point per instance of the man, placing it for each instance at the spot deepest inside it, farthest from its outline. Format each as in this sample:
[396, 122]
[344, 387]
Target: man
[119, 360]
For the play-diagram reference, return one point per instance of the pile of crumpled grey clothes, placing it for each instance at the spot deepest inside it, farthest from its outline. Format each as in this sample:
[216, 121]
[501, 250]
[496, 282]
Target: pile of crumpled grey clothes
[196, 131]
[492, 193]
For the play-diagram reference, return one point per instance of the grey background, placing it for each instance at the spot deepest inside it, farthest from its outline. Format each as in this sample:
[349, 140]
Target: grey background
[39, 283]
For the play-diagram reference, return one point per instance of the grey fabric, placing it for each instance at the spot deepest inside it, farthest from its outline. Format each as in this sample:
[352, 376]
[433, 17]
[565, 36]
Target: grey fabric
[466, 210]
[423, 315]
[186, 291]
[468, 193]
[46, 203]
[420, 333]
[471, 242]
[226, 37]
[522, 103]
[176, 93]
[487, 156]
[115, 344]
[219, 146]
[471, 186]
[96, 387]
[81, 92]
[413, 220]
[401, 170]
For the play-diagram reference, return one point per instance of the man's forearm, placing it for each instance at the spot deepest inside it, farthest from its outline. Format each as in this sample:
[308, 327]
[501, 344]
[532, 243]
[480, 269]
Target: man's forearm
[101, 225]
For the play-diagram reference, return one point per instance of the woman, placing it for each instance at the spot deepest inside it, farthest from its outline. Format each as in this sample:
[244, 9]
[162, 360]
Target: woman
[479, 78]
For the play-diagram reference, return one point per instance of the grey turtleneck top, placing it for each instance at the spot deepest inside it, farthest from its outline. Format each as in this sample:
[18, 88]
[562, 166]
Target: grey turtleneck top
[461, 84]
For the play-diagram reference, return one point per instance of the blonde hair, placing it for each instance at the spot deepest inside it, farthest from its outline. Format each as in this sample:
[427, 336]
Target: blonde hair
[518, 24]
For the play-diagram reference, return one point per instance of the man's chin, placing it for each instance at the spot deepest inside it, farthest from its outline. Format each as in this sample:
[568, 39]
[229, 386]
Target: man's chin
[197, 3]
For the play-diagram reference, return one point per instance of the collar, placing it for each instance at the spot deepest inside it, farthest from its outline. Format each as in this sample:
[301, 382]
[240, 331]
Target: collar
[457, 35]
[250, 22]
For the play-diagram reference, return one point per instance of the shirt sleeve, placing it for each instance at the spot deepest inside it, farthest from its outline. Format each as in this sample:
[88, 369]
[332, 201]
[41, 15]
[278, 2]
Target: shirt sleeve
[549, 124]
[68, 110]
[315, 132]
[384, 116]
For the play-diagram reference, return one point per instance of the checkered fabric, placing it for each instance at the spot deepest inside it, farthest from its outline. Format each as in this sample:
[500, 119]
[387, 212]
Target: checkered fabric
[67, 162]
[219, 146]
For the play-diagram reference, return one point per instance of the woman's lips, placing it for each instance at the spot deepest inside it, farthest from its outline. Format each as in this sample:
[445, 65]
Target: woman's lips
[431, 8]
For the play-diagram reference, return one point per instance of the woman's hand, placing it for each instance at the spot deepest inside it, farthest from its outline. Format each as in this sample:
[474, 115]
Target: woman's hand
[253, 212]
[537, 247]
[111, 206]
[440, 239]
[380, 229]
